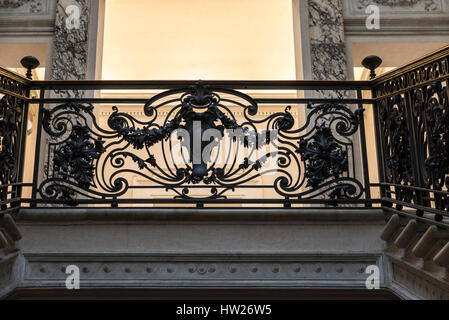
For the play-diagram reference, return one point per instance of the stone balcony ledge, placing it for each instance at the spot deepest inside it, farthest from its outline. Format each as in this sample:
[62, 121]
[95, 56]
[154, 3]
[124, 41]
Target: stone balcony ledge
[208, 215]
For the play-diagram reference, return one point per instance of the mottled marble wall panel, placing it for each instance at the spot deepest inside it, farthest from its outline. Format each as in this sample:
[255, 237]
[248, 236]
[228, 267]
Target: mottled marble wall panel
[70, 44]
[327, 44]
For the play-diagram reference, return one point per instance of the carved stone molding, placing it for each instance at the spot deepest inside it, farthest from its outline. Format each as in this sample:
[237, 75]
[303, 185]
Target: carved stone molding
[184, 270]
[10, 273]
[398, 17]
[418, 259]
[9, 234]
[5, 270]
[27, 17]
[411, 283]
[396, 6]
[23, 6]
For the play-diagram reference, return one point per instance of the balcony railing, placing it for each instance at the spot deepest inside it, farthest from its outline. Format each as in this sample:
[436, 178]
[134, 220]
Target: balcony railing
[231, 143]
[412, 125]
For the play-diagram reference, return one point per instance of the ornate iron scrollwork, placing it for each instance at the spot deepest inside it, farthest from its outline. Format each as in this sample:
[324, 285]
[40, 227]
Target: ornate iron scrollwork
[133, 147]
[196, 97]
[437, 123]
[76, 156]
[10, 129]
[74, 148]
[397, 144]
[431, 110]
[325, 158]
[413, 127]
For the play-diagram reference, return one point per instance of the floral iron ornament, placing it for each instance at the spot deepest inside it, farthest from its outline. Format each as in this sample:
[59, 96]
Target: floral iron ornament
[325, 158]
[198, 97]
[76, 157]
[10, 115]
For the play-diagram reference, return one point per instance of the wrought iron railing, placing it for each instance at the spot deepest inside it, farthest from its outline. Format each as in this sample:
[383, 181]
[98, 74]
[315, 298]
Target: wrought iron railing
[412, 117]
[14, 93]
[231, 143]
[297, 151]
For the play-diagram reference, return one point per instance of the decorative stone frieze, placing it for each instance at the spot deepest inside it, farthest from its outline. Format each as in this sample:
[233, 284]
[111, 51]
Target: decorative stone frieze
[395, 6]
[23, 6]
[398, 17]
[27, 17]
[201, 270]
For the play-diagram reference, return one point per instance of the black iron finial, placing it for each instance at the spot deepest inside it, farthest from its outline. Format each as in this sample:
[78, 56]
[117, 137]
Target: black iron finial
[372, 63]
[30, 63]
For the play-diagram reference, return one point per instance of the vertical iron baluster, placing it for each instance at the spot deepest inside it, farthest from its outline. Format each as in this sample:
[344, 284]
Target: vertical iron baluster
[38, 148]
[364, 152]
[447, 111]
[22, 148]
[380, 145]
[416, 167]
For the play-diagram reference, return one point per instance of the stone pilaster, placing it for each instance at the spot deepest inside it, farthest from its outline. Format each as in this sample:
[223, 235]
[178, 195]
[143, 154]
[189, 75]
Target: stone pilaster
[71, 44]
[327, 43]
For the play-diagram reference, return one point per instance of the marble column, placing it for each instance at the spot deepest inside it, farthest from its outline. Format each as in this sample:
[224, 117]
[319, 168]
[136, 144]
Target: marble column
[70, 45]
[327, 43]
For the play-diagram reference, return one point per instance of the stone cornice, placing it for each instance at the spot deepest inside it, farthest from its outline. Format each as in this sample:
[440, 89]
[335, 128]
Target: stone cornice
[416, 17]
[15, 20]
[183, 215]
[27, 27]
[418, 26]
